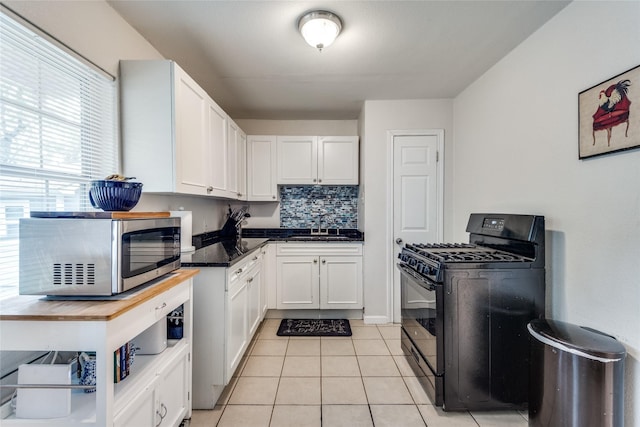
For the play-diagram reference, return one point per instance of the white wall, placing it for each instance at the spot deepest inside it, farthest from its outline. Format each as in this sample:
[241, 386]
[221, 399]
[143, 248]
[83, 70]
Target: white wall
[516, 150]
[377, 118]
[92, 28]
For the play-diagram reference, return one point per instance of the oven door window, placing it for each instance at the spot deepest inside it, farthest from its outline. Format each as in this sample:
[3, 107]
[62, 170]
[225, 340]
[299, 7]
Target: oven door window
[146, 250]
[419, 318]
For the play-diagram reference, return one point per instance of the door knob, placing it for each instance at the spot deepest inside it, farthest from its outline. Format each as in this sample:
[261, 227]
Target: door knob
[399, 241]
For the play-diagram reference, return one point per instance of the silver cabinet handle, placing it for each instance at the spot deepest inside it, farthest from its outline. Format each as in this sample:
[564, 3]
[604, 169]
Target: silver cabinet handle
[239, 271]
[250, 280]
[315, 261]
[209, 189]
[324, 261]
[399, 241]
[161, 413]
[160, 307]
[273, 197]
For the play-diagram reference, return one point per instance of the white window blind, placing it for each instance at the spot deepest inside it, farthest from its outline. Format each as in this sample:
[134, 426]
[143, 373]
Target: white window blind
[57, 133]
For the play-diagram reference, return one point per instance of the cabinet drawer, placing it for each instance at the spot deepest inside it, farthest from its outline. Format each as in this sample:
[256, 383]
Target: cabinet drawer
[148, 313]
[237, 271]
[293, 249]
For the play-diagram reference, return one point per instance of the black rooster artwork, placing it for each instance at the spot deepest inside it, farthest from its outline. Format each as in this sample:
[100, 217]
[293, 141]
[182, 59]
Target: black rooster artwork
[613, 109]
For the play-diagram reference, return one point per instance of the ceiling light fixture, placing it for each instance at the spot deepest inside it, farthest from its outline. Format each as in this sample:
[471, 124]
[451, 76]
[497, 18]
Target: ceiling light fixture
[320, 28]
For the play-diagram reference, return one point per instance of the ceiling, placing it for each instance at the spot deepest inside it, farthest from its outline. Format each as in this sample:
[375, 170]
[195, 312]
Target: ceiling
[250, 58]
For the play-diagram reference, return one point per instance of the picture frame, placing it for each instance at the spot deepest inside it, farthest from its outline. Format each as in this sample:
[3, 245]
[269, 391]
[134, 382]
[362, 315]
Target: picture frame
[609, 115]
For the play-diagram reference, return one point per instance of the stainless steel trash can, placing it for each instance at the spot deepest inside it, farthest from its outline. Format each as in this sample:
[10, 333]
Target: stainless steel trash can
[576, 376]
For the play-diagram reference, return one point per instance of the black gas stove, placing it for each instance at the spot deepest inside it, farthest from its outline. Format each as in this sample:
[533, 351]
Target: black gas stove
[465, 307]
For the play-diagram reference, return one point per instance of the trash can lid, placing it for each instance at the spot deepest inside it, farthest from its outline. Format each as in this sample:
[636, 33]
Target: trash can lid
[576, 339]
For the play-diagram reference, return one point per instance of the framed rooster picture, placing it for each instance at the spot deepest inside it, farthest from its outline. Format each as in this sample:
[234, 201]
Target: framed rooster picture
[609, 115]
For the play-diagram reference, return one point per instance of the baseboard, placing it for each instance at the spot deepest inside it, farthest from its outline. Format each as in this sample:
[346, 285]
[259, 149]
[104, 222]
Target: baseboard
[314, 314]
[375, 320]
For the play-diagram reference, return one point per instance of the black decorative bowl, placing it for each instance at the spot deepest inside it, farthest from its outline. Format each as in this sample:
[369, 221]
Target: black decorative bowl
[112, 195]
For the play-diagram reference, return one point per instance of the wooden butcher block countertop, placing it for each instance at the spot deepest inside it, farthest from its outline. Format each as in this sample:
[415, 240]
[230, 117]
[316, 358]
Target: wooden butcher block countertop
[37, 307]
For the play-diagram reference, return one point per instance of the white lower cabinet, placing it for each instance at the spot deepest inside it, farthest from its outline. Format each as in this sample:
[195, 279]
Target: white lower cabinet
[341, 282]
[236, 320]
[227, 313]
[268, 282]
[164, 400]
[298, 282]
[319, 276]
[173, 394]
[254, 296]
[141, 411]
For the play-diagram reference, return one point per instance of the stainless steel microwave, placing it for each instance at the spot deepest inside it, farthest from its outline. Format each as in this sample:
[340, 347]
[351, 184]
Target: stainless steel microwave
[95, 256]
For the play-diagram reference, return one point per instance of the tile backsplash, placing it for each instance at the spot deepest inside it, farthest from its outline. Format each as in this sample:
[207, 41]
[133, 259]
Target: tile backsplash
[303, 206]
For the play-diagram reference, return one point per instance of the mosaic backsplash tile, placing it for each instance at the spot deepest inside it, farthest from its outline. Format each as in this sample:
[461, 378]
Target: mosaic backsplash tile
[335, 206]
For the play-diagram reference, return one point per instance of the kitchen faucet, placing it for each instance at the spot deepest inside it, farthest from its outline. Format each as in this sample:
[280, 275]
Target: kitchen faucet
[319, 230]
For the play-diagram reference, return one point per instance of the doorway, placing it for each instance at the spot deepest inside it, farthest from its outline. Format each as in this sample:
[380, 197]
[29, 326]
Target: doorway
[416, 198]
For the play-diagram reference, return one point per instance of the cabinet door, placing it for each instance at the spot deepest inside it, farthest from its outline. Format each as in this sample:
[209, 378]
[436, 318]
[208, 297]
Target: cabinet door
[141, 411]
[236, 325]
[254, 279]
[217, 155]
[297, 159]
[233, 153]
[261, 168]
[191, 104]
[338, 160]
[268, 278]
[173, 390]
[298, 281]
[242, 165]
[340, 282]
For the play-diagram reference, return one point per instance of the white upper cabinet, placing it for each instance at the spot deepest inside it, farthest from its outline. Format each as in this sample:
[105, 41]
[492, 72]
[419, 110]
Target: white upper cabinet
[242, 165]
[338, 160]
[191, 138]
[218, 147]
[236, 161]
[233, 155]
[176, 139]
[324, 160]
[261, 168]
[297, 159]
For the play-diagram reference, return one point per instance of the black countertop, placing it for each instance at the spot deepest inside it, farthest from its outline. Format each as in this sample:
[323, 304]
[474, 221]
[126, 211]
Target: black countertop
[305, 234]
[222, 253]
[213, 250]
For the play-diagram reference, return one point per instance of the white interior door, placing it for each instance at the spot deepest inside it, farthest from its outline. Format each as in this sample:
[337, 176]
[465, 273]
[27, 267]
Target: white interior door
[417, 195]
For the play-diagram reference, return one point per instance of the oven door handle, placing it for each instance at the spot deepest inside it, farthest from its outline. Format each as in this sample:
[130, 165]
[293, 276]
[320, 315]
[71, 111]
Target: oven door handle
[422, 281]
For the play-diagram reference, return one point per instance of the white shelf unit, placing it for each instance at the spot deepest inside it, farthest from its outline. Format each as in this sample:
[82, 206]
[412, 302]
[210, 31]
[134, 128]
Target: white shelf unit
[72, 326]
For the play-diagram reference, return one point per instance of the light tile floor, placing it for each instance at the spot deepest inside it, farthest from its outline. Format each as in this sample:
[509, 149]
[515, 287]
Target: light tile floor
[363, 380]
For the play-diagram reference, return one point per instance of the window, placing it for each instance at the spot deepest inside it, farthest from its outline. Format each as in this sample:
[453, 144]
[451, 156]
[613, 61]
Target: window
[57, 132]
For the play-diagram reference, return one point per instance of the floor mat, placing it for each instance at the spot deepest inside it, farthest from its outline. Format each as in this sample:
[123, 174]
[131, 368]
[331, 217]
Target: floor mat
[314, 328]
